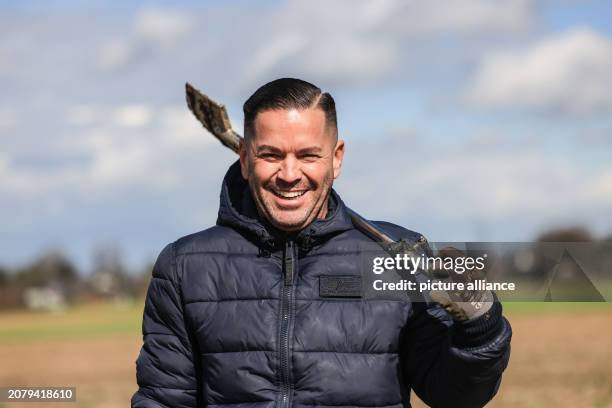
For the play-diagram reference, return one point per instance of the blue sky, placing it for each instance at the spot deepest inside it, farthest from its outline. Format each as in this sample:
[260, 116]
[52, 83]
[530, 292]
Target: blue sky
[480, 120]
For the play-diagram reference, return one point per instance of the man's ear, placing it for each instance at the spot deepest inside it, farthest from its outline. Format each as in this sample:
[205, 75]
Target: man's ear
[338, 157]
[244, 165]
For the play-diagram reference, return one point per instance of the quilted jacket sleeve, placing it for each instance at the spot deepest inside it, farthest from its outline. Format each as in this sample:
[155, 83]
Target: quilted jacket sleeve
[165, 369]
[447, 363]
[453, 364]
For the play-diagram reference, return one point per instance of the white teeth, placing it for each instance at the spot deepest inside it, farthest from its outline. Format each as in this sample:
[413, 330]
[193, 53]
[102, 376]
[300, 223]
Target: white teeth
[289, 194]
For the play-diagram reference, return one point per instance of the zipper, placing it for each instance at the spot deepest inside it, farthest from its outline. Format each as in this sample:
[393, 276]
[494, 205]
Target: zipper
[286, 318]
[289, 263]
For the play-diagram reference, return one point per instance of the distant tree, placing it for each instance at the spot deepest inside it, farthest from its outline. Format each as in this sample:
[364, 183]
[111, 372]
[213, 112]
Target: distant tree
[600, 259]
[143, 279]
[570, 234]
[52, 271]
[53, 268]
[110, 277]
[539, 266]
[9, 295]
[4, 277]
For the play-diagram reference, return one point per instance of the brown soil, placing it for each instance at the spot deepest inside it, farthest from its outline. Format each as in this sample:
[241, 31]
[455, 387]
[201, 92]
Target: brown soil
[558, 360]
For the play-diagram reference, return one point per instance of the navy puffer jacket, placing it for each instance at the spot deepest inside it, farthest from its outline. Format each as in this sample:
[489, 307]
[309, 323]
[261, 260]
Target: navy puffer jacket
[234, 318]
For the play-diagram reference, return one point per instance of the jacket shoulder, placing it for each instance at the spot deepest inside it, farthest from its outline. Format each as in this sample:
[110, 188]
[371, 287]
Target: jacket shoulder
[214, 239]
[398, 232]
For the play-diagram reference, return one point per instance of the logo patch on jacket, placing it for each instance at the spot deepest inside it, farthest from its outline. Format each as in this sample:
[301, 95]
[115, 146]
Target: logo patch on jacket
[340, 286]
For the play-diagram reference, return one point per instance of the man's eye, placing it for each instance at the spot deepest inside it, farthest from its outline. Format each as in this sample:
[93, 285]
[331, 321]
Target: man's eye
[310, 156]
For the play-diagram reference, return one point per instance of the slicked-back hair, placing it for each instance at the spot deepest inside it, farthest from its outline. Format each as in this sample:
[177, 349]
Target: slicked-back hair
[285, 94]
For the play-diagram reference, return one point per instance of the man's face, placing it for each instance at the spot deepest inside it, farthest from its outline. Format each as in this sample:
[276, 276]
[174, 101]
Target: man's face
[290, 163]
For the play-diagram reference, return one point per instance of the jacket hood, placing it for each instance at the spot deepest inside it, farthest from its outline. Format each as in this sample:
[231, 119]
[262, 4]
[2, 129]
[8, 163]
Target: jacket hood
[237, 209]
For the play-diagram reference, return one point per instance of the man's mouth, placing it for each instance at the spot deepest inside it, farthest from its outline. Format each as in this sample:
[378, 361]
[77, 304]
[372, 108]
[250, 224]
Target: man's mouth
[289, 194]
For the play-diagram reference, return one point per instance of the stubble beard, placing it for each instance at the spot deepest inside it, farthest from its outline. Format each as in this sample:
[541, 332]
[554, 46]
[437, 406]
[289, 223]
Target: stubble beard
[267, 210]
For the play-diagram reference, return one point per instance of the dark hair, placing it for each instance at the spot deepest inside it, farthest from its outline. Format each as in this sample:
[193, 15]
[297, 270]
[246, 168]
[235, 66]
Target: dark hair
[288, 93]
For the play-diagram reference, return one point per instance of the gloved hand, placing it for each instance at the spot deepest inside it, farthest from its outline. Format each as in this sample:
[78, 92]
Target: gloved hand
[466, 304]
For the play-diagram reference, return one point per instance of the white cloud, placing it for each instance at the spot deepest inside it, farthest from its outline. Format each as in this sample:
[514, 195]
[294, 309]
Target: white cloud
[350, 41]
[274, 52]
[114, 54]
[3, 165]
[180, 129]
[148, 159]
[472, 16]
[8, 118]
[132, 115]
[153, 31]
[82, 115]
[30, 183]
[343, 58]
[485, 184]
[126, 158]
[117, 165]
[599, 189]
[569, 73]
[126, 148]
[301, 40]
[162, 27]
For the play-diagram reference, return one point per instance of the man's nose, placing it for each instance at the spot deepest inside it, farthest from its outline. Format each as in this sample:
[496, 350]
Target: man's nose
[289, 170]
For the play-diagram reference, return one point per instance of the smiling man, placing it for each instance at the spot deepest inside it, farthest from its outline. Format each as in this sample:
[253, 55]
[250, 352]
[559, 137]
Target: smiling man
[242, 314]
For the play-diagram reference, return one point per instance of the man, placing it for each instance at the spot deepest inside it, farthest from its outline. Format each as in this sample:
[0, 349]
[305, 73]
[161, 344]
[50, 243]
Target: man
[235, 315]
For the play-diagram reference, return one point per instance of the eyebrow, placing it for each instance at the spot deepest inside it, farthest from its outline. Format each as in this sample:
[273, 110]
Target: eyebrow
[268, 148]
[313, 150]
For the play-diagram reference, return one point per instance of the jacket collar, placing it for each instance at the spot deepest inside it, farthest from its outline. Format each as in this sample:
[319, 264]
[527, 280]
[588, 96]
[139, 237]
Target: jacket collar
[237, 210]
